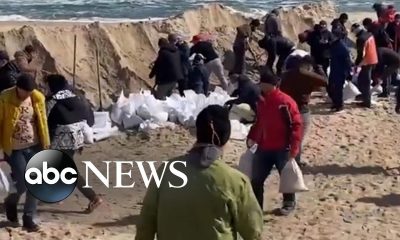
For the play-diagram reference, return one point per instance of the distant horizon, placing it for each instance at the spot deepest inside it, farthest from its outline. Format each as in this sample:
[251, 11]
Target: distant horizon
[141, 10]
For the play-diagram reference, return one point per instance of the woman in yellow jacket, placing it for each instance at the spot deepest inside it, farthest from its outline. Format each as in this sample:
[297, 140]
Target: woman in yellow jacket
[23, 133]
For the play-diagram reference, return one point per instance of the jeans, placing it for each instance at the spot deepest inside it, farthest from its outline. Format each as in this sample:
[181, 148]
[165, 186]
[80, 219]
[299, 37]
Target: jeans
[87, 192]
[263, 163]
[240, 59]
[18, 160]
[164, 90]
[215, 66]
[306, 118]
[364, 83]
[387, 76]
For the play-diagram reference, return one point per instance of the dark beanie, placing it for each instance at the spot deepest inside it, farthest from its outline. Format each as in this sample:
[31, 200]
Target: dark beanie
[213, 125]
[56, 82]
[26, 82]
[267, 76]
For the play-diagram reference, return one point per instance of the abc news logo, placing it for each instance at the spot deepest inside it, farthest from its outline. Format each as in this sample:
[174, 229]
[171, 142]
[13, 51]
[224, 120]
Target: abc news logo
[51, 176]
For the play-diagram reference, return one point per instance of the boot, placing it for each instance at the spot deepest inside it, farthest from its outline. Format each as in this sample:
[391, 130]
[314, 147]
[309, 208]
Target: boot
[10, 207]
[29, 225]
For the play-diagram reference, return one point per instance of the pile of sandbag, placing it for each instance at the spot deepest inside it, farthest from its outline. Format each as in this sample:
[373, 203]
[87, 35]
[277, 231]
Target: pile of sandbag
[102, 127]
[144, 111]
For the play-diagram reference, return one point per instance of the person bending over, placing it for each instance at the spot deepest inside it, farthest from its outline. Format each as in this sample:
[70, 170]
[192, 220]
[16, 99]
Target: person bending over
[199, 76]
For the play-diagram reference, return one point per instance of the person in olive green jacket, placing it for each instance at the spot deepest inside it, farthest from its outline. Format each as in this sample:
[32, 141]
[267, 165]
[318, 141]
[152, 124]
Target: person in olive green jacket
[217, 202]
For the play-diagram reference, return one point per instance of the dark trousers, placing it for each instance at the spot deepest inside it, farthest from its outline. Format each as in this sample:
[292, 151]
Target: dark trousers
[18, 160]
[87, 192]
[364, 83]
[164, 90]
[387, 77]
[263, 163]
[240, 59]
[337, 91]
[324, 63]
[271, 50]
[306, 118]
[182, 86]
[281, 62]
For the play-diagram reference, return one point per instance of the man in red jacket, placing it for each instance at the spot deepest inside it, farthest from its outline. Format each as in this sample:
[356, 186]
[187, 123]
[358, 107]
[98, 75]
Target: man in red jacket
[278, 133]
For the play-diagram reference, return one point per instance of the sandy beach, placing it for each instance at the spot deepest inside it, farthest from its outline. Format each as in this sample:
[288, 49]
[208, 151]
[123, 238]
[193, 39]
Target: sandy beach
[353, 157]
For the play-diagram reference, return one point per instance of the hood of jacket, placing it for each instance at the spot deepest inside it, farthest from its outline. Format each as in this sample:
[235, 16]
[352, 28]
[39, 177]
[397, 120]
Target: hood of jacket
[204, 155]
[169, 48]
[65, 98]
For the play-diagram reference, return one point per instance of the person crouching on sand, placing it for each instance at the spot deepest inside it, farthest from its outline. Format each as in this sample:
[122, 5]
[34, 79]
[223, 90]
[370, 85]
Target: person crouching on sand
[212, 60]
[66, 113]
[23, 133]
[199, 76]
[278, 133]
[217, 202]
[299, 83]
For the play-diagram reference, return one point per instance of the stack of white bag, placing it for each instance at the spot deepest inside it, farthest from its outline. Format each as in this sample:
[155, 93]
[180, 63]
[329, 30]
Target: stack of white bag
[102, 127]
[144, 111]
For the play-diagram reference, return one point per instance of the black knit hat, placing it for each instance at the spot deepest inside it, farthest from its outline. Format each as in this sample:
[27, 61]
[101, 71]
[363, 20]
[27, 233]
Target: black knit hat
[26, 82]
[267, 76]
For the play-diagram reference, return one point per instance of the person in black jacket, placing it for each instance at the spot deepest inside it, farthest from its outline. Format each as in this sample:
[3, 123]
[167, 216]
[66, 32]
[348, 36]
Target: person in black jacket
[284, 47]
[273, 30]
[319, 40]
[377, 29]
[339, 26]
[167, 69]
[184, 51]
[199, 76]
[66, 116]
[393, 30]
[388, 64]
[247, 92]
[212, 61]
[9, 72]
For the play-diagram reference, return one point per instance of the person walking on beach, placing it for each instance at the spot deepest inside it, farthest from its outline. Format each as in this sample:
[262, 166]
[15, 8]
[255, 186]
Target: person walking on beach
[340, 71]
[23, 133]
[367, 58]
[212, 60]
[9, 72]
[278, 133]
[24, 58]
[184, 51]
[167, 69]
[66, 116]
[217, 202]
[199, 76]
[273, 30]
[299, 83]
[388, 64]
[242, 44]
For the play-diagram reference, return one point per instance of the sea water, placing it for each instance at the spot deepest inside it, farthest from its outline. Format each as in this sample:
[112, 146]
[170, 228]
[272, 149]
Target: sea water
[117, 10]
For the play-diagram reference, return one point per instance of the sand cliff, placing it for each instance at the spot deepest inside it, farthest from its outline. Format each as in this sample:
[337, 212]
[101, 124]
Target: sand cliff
[126, 49]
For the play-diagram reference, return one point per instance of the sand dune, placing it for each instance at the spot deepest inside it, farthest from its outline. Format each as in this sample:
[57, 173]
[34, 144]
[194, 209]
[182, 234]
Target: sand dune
[127, 49]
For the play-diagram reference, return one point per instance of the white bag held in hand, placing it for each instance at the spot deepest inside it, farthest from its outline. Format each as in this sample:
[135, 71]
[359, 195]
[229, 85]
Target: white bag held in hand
[88, 136]
[350, 91]
[4, 183]
[246, 161]
[376, 90]
[291, 180]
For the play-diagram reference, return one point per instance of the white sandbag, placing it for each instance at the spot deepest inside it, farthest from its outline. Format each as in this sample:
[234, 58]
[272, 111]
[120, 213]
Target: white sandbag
[350, 91]
[5, 184]
[376, 90]
[149, 125]
[106, 133]
[131, 121]
[116, 111]
[239, 131]
[242, 111]
[246, 161]
[101, 120]
[291, 179]
[88, 135]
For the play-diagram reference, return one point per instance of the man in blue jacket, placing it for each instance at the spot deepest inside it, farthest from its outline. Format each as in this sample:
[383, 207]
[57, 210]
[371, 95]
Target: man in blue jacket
[340, 70]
